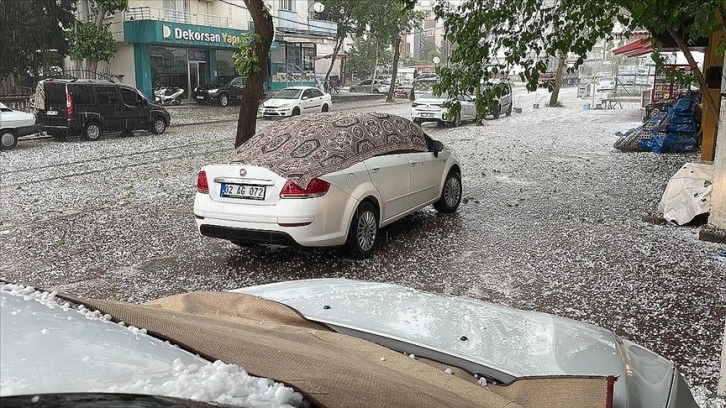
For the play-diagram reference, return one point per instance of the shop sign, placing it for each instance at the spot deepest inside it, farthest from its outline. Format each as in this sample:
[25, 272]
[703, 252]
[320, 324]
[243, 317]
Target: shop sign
[188, 34]
[196, 55]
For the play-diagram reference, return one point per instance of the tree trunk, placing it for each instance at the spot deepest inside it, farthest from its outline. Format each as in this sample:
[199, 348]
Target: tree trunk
[91, 63]
[375, 68]
[254, 89]
[396, 54]
[696, 71]
[480, 111]
[558, 80]
[338, 44]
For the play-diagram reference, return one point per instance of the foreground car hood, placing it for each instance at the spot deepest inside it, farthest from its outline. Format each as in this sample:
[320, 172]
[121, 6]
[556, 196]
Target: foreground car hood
[516, 343]
[274, 103]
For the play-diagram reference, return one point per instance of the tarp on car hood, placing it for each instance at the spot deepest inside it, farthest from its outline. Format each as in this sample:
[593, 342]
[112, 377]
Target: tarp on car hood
[304, 147]
[688, 193]
[270, 340]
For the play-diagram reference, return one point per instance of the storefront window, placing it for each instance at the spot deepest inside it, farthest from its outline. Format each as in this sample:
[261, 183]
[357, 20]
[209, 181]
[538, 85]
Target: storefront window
[277, 64]
[225, 63]
[169, 67]
[308, 58]
[294, 62]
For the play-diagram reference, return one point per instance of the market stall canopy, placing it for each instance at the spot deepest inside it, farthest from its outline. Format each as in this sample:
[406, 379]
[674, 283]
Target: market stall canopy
[636, 48]
[304, 147]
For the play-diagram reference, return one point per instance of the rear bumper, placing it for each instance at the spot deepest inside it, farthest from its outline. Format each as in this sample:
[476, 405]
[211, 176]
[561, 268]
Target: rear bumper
[247, 235]
[27, 130]
[314, 222]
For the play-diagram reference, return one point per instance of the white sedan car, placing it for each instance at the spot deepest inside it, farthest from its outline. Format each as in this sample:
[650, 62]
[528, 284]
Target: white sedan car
[14, 124]
[326, 180]
[430, 108]
[296, 100]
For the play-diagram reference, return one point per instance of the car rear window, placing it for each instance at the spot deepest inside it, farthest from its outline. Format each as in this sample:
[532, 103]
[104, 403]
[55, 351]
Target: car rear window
[81, 94]
[55, 94]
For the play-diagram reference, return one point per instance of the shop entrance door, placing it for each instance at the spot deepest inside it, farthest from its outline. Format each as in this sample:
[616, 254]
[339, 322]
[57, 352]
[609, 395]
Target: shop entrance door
[197, 75]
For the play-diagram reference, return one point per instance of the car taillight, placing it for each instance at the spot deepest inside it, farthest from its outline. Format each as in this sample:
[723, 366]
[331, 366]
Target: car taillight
[69, 104]
[202, 185]
[316, 188]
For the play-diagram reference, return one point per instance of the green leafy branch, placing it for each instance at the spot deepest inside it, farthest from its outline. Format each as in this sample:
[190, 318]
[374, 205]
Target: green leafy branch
[247, 60]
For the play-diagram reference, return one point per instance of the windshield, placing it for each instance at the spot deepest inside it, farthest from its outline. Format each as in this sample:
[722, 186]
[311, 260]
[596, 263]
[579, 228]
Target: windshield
[289, 93]
[221, 80]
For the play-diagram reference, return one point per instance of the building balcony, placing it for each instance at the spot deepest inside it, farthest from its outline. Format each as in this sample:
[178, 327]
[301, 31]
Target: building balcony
[289, 22]
[175, 16]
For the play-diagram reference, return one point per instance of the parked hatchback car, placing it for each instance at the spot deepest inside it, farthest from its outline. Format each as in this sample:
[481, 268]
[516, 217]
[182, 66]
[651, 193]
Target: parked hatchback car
[430, 108]
[326, 179]
[14, 124]
[504, 98]
[90, 108]
[222, 90]
[296, 100]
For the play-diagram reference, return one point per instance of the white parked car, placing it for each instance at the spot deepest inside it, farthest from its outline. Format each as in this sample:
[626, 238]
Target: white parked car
[605, 84]
[370, 86]
[326, 180]
[296, 100]
[14, 124]
[430, 108]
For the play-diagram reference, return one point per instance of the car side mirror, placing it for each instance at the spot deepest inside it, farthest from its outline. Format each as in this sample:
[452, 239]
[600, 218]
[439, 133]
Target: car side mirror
[437, 147]
[304, 97]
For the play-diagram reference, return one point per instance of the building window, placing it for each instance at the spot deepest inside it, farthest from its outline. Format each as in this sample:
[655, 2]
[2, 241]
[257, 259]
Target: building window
[286, 5]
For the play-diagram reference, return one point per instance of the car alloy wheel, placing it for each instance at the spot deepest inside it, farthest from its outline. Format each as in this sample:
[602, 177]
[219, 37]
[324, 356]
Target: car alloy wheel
[296, 111]
[363, 232]
[325, 108]
[224, 100]
[159, 126]
[8, 140]
[450, 194]
[92, 131]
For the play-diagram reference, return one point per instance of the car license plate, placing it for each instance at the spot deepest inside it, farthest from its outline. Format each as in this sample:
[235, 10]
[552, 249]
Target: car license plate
[427, 115]
[243, 191]
[52, 113]
[200, 97]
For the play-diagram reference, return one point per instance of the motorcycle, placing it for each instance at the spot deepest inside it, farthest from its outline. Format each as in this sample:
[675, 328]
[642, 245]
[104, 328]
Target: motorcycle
[164, 95]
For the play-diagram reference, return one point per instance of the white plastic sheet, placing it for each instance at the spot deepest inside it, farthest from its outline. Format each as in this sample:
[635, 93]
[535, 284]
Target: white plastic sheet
[688, 193]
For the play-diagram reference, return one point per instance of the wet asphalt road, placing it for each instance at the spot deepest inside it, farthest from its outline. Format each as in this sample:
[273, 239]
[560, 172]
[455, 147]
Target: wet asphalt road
[550, 222]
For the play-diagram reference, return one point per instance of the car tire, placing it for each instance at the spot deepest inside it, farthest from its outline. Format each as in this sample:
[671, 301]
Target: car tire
[295, 111]
[8, 139]
[223, 100]
[375, 91]
[92, 131]
[418, 122]
[353, 90]
[497, 112]
[176, 102]
[363, 231]
[509, 111]
[325, 108]
[450, 193]
[158, 126]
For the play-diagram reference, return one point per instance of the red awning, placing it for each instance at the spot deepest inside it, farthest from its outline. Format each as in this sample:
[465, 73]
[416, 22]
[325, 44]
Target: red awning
[636, 48]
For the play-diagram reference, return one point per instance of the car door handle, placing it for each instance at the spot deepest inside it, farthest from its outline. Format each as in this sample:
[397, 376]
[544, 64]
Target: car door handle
[412, 163]
[375, 169]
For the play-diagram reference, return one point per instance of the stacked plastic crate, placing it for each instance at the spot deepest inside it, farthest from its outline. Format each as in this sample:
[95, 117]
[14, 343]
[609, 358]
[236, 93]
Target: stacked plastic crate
[675, 131]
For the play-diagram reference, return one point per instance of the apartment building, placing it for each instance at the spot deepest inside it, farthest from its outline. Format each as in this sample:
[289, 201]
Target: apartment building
[185, 43]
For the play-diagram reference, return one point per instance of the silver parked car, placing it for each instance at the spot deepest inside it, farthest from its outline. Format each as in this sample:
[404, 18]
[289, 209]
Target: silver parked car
[365, 344]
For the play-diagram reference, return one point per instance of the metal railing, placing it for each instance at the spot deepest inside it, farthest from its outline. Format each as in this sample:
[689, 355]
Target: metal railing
[174, 16]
